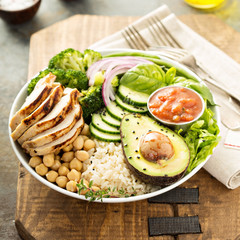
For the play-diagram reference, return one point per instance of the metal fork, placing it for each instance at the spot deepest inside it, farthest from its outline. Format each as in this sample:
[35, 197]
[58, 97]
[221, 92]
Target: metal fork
[168, 47]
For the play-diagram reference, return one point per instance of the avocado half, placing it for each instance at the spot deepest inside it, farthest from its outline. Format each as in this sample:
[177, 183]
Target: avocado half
[133, 128]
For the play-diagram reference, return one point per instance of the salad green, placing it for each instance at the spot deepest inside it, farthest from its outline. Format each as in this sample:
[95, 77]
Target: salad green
[145, 78]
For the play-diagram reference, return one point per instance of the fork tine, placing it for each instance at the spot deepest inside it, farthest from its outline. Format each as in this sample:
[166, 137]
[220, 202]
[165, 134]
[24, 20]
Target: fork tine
[144, 42]
[127, 37]
[171, 40]
[138, 40]
[159, 39]
[134, 38]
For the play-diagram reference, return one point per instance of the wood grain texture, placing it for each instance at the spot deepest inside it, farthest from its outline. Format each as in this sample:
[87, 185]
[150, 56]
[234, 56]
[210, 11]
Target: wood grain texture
[45, 214]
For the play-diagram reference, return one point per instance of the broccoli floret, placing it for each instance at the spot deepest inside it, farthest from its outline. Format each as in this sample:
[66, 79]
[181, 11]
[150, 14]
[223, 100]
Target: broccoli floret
[91, 101]
[69, 78]
[77, 79]
[68, 59]
[99, 78]
[91, 57]
[34, 81]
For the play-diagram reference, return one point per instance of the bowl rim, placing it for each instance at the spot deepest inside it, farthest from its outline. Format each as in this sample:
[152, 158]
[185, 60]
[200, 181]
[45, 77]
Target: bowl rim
[20, 10]
[173, 123]
[20, 154]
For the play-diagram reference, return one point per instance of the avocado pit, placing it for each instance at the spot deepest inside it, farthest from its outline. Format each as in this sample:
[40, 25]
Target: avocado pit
[156, 147]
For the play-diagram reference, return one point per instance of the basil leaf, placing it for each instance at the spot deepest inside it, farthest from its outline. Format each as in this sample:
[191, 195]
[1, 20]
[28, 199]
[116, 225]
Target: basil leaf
[145, 78]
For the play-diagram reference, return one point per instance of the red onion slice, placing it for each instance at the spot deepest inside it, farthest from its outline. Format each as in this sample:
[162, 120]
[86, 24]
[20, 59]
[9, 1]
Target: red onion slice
[107, 90]
[110, 63]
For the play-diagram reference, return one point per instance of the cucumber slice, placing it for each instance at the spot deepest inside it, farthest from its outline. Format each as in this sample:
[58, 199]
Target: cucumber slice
[129, 107]
[99, 124]
[115, 111]
[132, 97]
[106, 117]
[106, 137]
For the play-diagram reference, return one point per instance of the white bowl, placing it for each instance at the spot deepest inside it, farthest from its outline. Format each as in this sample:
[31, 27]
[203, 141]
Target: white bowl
[24, 158]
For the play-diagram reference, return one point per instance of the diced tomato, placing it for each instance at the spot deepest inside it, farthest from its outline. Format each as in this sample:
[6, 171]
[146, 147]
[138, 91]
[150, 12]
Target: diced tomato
[177, 108]
[186, 117]
[187, 102]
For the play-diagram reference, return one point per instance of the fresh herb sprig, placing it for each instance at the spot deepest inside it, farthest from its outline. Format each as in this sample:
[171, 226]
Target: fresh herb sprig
[93, 195]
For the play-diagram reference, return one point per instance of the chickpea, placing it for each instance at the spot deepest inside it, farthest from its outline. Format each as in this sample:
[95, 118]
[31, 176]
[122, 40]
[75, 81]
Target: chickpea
[82, 155]
[51, 176]
[68, 148]
[57, 151]
[56, 165]
[86, 183]
[74, 175]
[48, 159]
[89, 144]
[61, 181]
[78, 143]
[75, 164]
[34, 161]
[41, 169]
[63, 171]
[85, 130]
[71, 186]
[68, 156]
[84, 137]
[57, 157]
[66, 164]
[95, 188]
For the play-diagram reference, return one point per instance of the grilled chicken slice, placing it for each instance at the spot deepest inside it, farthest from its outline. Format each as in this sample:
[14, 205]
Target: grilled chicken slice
[60, 142]
[58, 113]
[56, 132]
[40, 112]
[38, 95]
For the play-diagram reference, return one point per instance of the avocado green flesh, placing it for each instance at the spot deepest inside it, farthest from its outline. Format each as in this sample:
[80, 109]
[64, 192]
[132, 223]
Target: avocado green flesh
[133, 127]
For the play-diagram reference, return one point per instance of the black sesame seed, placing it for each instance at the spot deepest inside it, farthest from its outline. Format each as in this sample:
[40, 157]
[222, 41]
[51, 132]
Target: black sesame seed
[149, 130]
[93, 169]
[144, 169]
[136, 150]
[129, 157]
[136, 138]
[136, 180]
[125, 145]
[127, 119]
[173, 135]
[91, 162]
[35, 151]
[138, 157]
[162, 129]
[166, 131]
[137, 122]
[133, 131]
[203, 140]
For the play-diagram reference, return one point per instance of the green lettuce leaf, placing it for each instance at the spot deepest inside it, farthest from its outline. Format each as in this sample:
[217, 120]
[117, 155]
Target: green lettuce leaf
[202, 138]
[145, 78]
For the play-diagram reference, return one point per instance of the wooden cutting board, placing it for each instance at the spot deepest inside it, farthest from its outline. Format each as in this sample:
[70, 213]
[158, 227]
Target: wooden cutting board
[42, 213]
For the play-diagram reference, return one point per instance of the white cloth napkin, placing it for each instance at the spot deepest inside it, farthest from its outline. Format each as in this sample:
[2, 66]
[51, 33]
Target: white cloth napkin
[224, 164]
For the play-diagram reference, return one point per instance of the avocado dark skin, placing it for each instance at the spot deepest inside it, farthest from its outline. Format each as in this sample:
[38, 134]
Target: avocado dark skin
[134, 127]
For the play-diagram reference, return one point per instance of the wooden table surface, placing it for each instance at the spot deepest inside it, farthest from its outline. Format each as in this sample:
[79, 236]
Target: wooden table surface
[45, 214]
